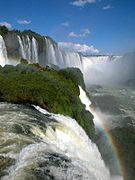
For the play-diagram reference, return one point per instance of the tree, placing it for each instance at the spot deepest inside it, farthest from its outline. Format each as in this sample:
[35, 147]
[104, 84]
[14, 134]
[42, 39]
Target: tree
[3, 30]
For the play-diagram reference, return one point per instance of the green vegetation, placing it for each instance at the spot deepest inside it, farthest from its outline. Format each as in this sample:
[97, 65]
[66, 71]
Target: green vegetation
[3, 30]
[75, 74]
[24, 61]
[56, 91]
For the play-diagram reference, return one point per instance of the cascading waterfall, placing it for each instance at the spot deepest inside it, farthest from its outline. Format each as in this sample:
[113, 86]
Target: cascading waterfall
[28, 48]
[23, 55]
[3, 52]
[61, 58]
[98, 62]
[49, 54]
[109, 70]
[96, 69]
[34, 50]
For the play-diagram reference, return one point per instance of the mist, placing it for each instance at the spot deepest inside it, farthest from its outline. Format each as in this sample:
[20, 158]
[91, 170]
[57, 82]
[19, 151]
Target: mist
[109, 70]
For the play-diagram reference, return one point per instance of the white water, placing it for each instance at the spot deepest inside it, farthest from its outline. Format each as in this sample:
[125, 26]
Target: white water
[51, 55]
[99, 69]
[61, 58]
[3, 52]
[21, 48]
[71, 140]
[88, 106]
[62, 137]
[34, 50]
[28, 48]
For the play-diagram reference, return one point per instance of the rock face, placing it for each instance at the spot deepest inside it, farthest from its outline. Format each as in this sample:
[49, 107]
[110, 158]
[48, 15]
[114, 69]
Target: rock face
[124, 138]
[12, 45]
[56, 91]
[126, 142]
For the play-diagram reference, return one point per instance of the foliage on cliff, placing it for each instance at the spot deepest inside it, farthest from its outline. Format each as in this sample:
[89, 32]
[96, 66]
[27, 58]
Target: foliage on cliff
[50, 89]
[75, 74]
[3, 30]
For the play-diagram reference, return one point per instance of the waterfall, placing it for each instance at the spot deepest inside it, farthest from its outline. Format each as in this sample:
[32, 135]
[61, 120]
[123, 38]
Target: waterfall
[23, 55]
[108, 70]
[71, 139]
[61, 58]
[49, 53]
[73, 59]
[3, 52]
[47, 142]
[34, 50]
[28, 48]
[86, 101]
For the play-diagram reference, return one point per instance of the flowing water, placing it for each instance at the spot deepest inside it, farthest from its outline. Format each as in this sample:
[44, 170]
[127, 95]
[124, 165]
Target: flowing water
[43, 145]
[51, 53]
[61, 58]
[3, 52]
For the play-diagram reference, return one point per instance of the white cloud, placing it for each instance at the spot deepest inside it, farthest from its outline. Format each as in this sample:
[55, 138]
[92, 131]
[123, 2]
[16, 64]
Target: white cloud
[23, 22]
[82, 48]
[72, 34]
[83, 33]
[8, 25]
[107, 7]
[82, 3]
[65, 24]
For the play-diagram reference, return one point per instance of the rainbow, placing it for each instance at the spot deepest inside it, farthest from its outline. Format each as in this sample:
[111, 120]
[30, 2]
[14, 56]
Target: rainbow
[99, 122]
[112, 143]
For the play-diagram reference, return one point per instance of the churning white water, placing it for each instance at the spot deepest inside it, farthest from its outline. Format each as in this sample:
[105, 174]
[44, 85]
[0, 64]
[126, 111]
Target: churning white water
[71, 140]
[58, 146]
[3, 52]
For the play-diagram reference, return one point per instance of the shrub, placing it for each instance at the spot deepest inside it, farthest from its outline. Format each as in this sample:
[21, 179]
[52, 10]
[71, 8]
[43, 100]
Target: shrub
[3, 30]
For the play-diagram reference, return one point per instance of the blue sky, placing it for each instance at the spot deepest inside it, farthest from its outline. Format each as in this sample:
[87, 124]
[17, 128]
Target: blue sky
[107, 26]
